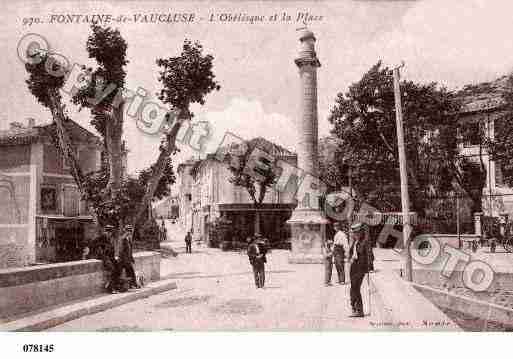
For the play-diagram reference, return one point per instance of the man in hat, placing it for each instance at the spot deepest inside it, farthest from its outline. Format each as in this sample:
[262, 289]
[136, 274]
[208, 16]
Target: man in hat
[188, 242]
[257, 261]
[106, 253]
[126, 258]
[328, 261]
[359, 261]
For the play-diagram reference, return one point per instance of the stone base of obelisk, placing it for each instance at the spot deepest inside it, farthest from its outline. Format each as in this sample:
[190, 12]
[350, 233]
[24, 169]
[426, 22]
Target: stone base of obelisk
[308, 233]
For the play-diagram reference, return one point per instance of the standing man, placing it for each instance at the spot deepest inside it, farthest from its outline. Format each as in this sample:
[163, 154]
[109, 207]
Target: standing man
[263, 246]
[340, 249]
[256, 259]
[126, 258]
[359, 261]
[106, 253]
[328, 261]
[188, 242]
[163, 231]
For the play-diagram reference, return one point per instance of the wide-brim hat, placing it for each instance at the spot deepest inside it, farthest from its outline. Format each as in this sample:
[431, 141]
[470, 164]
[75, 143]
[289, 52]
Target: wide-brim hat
[356, 227]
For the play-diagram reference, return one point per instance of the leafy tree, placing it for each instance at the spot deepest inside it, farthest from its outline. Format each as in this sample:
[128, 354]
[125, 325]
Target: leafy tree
[46, 78]
[255, 177]
[501, 145]
[186, 79]
[364, 121]
[333, 168]
[102, 95]
[116, 198]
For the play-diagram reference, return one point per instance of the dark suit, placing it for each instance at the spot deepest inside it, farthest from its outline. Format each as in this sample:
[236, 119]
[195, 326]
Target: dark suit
[338, 259]
[257, 259]
[328, 263]
[359, 267]
[126, 258]
[188, 243]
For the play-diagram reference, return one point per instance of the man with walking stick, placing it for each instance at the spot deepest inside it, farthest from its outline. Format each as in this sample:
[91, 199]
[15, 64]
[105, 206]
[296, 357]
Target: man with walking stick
[359, 266]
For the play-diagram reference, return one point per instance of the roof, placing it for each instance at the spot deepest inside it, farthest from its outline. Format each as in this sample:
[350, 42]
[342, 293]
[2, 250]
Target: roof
[270, 147]
[260, 142]
[18, 136]
[28, 135]
[484, 96]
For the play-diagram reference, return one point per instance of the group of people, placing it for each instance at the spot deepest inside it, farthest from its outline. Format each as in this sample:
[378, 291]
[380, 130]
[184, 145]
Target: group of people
[351, 244]
[117, 256]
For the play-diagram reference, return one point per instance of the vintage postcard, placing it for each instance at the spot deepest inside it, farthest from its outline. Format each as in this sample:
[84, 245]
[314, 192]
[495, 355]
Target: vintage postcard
[256, 166]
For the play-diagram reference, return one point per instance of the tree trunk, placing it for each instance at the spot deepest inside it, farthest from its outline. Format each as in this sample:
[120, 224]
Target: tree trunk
[156, 176]
[64, 140]
[114, 131]
[258, 203]
[257, 220]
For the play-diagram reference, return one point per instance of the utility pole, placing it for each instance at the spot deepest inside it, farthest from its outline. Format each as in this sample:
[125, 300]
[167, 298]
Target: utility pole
[405, 201]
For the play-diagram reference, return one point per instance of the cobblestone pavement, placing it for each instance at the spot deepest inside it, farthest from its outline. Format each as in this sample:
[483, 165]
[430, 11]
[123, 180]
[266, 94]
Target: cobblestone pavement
[216, 292]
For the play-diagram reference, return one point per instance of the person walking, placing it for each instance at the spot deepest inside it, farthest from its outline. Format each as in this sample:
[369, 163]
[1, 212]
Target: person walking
[328, 261]
[256, 259]
[340, 249]
[163, 231]
[359, 266]
[188, 242]
[263, 246]
[126, 258]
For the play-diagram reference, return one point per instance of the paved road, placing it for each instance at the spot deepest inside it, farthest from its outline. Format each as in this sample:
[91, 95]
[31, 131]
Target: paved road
[216, 292]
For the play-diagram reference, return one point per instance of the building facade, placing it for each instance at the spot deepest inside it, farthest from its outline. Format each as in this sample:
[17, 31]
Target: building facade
[44, 218]
[167, 208]
[206, 194]
[482, 114]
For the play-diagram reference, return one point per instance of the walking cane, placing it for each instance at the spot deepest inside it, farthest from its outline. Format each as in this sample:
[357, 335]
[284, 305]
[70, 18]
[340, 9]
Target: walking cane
[369, 291]
[369, 258]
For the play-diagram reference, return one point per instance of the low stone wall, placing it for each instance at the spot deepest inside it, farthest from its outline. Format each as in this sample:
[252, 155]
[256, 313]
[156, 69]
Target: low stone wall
[489, 312]
[31, 288]
[501, 281]
[453, 240]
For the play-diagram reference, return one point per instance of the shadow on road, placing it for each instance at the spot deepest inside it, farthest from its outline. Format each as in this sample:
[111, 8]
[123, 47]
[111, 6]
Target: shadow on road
[187, 275]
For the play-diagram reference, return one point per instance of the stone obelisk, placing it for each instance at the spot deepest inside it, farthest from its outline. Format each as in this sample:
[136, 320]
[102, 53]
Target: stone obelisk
[308, 223]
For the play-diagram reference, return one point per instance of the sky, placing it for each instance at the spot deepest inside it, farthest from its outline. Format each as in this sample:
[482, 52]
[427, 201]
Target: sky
[451, 42]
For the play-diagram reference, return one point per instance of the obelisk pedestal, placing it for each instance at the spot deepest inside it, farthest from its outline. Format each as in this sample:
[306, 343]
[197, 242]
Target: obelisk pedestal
[308, 223]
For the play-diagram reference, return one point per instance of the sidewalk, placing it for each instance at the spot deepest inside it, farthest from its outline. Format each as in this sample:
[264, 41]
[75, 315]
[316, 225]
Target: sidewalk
[42, 320]
[409, 309]
[217, 293]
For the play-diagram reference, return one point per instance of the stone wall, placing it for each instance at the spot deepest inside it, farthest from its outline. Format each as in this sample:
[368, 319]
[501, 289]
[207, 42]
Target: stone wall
[17, 199]
[484, 310]
[14, 247]
[32, 288]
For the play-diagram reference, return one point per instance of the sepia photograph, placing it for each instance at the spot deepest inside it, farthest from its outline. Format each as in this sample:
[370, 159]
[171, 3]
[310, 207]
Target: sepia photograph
[255, 166]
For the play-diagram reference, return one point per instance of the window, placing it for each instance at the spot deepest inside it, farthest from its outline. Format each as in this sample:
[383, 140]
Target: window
[71, 198]
[499, 175]
[49, 200]
[471, 134]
